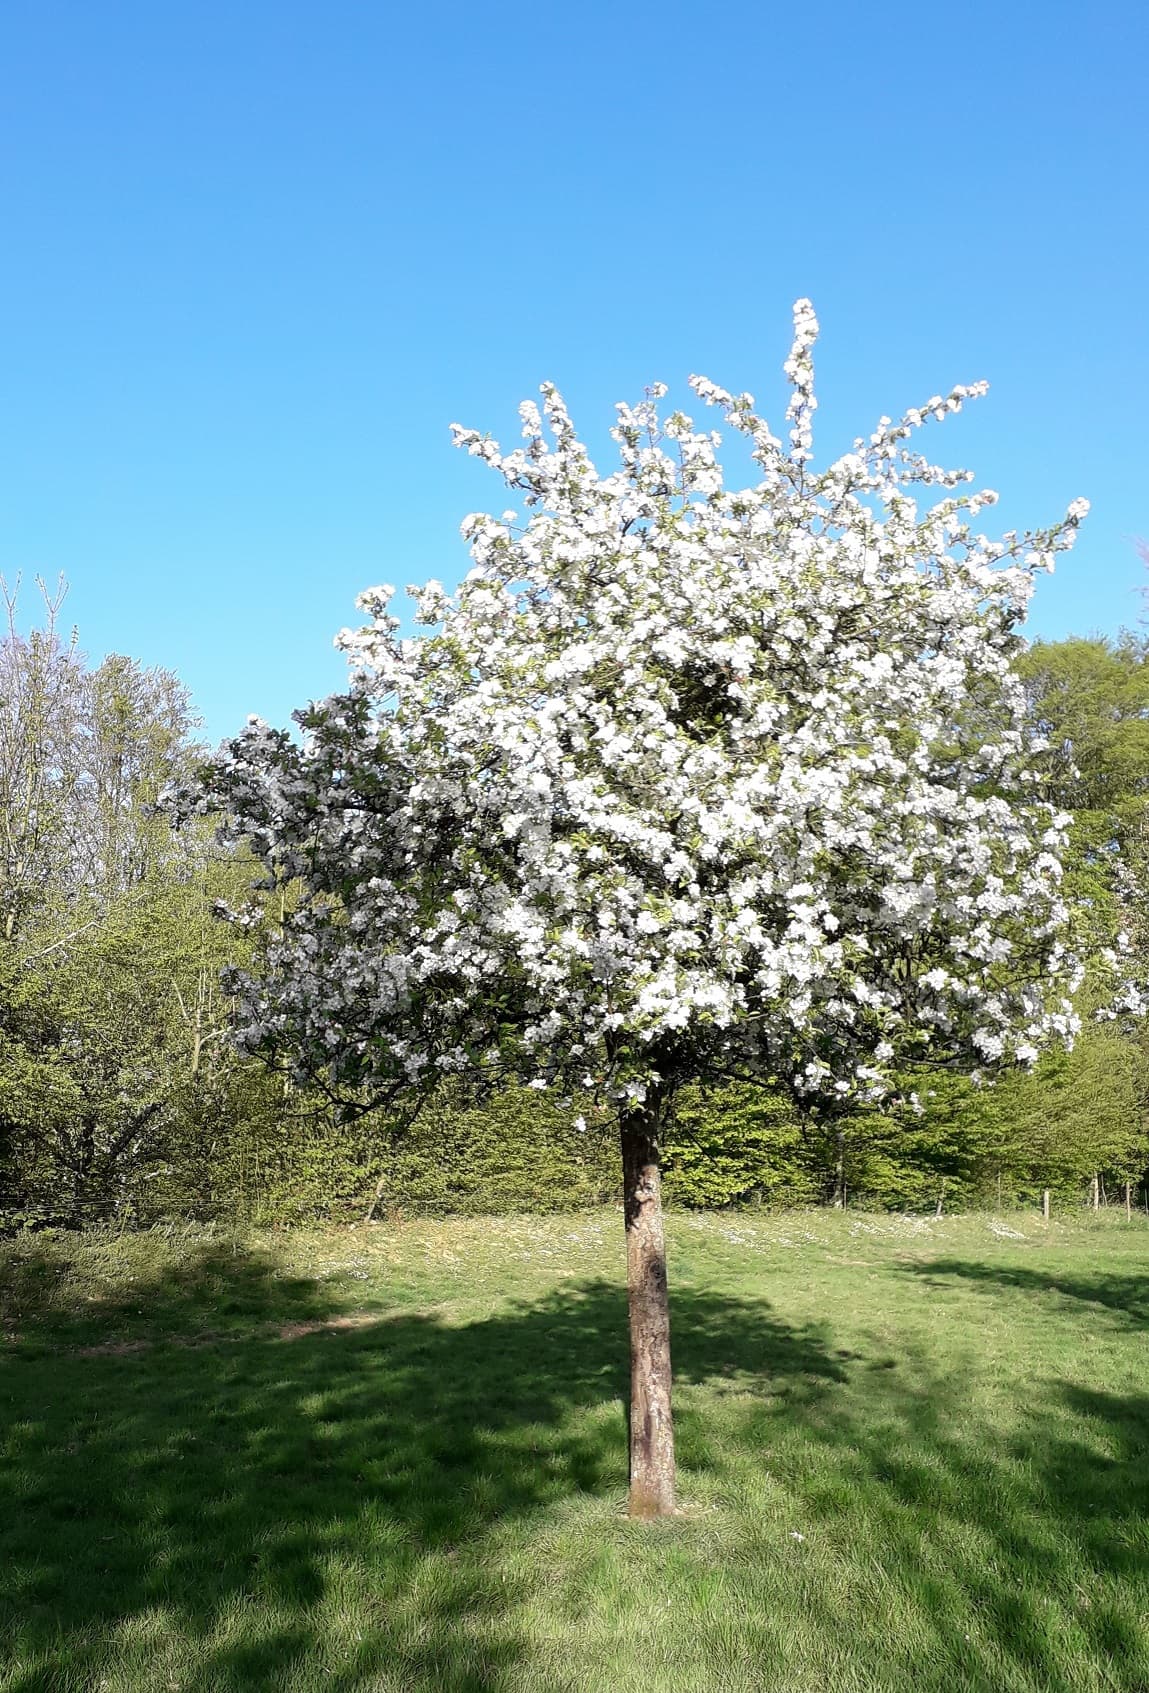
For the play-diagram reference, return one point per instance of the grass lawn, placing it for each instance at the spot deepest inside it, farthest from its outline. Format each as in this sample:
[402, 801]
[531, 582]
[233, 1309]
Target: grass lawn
[914, 1456]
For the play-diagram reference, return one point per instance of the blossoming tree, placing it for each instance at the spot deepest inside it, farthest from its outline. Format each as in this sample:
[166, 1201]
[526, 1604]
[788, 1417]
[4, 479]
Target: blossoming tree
[685, 781]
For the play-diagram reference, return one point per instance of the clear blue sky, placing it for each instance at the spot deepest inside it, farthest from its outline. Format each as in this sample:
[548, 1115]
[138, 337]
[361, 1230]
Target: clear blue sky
[259, 256]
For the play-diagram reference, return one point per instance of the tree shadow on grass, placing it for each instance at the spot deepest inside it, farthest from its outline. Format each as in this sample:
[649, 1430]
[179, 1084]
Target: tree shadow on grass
[1024, 1547]
[52, 1290]
[1046, 1526]
[294, 1504]
[236, 1492]
[1125, 1295]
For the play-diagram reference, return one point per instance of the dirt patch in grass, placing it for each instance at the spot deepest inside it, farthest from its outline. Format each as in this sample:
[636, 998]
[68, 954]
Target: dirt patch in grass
[286, 1331]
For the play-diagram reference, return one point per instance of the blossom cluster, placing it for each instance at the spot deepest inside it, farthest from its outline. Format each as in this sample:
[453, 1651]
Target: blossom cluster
[683, 779]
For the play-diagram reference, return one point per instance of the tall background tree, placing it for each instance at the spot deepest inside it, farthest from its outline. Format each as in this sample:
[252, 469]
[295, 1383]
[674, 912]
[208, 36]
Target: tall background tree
[109, 958]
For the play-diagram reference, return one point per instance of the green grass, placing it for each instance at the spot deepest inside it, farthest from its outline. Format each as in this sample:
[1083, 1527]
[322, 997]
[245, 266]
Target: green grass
[914, 1456]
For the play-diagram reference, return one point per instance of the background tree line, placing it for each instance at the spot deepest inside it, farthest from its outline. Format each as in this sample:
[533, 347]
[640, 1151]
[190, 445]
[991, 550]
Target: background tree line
[121, 1098]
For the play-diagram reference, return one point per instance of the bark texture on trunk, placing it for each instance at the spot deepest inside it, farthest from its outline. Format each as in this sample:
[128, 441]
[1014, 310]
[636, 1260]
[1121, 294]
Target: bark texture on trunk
[652, 1472]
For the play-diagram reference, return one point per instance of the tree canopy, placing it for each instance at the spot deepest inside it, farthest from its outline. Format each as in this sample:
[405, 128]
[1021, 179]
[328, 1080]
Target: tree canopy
[683, 781]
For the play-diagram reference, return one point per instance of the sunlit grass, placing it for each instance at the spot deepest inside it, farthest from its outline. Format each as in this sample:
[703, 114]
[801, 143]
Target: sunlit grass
[914, 1454]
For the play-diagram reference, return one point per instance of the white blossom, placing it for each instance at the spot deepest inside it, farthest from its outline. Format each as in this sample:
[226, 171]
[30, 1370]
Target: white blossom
[683, 779]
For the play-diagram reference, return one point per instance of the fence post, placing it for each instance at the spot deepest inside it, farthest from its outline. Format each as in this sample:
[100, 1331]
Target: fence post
[1093, 1193]
[1128, 1202]
[1045, 1204]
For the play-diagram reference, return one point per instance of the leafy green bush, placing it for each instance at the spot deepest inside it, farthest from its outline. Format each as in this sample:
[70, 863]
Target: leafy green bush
[517, 1152]
[741, 1145]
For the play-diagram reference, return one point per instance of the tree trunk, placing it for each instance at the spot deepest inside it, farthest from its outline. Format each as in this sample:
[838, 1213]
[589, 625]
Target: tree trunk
[652, 1473]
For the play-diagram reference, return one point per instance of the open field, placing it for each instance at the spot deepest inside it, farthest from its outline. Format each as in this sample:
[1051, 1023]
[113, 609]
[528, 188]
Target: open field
[914, 1455]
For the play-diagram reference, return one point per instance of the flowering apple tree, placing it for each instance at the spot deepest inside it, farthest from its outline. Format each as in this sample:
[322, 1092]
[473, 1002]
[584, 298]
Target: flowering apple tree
[684, 781]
